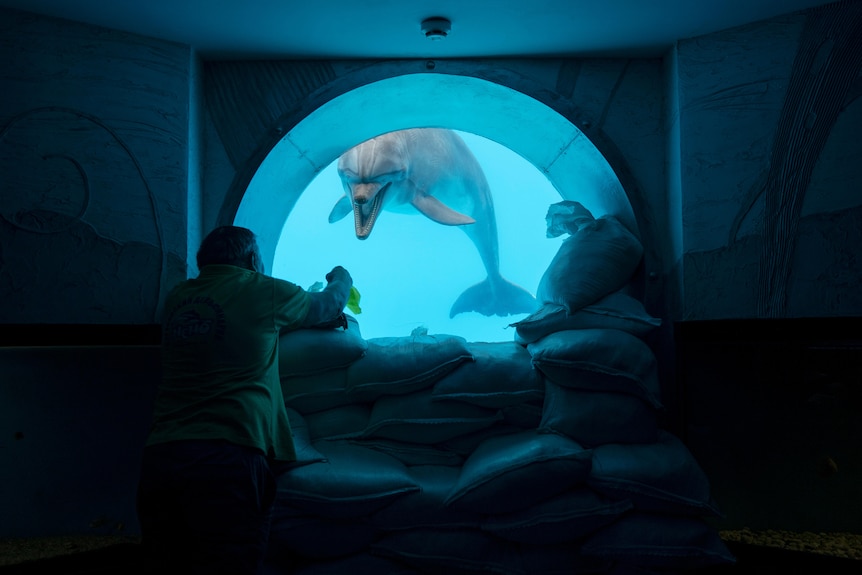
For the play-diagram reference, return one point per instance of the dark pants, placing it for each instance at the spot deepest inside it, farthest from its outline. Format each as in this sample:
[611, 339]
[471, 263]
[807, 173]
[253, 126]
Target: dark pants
[204, 507]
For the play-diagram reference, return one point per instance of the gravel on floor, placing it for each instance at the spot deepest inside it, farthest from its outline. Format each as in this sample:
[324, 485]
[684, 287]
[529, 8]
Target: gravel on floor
[15, 551]
[845, 545]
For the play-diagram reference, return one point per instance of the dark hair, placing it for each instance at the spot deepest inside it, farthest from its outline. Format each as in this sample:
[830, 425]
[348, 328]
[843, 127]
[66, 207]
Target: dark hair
[230, 245]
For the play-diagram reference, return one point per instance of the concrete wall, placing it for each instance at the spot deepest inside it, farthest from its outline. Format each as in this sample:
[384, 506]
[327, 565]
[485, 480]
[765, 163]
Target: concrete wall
[94, 152]
[770, 171]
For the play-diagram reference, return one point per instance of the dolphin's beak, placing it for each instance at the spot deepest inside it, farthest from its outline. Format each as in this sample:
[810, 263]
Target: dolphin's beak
[365, 212]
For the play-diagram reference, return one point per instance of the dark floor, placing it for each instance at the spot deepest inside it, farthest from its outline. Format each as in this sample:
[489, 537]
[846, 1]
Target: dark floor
[751, 560]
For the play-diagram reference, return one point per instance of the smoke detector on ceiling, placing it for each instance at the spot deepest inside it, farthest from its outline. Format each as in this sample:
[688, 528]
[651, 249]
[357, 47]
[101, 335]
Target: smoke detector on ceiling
[436, 28]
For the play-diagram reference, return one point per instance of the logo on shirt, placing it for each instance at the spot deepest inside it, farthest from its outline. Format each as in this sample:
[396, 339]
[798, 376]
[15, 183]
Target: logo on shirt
[197, 318]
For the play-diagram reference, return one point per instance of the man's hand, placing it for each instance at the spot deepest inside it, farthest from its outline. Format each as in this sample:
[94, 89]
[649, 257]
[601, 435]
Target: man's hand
[340, 274]
[328, 305]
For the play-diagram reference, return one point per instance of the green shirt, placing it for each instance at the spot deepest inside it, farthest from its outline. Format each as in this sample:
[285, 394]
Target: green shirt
[220, 360]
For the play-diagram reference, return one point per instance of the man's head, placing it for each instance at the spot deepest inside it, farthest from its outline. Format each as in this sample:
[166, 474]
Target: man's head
[230, 245]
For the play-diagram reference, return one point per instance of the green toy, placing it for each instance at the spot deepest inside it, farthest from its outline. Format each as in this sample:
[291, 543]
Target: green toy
[352, 299]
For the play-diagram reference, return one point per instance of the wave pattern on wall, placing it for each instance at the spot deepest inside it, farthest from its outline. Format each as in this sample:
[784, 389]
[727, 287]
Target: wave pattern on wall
[826, 67]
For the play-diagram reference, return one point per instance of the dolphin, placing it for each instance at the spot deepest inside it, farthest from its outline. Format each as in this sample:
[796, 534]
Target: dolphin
[430, 171]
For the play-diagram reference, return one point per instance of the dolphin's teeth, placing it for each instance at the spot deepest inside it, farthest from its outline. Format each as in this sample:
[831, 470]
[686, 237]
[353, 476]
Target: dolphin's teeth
[364, 223]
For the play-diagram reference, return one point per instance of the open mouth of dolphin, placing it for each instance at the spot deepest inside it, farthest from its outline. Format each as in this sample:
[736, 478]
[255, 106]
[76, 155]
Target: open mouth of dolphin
[364, 215]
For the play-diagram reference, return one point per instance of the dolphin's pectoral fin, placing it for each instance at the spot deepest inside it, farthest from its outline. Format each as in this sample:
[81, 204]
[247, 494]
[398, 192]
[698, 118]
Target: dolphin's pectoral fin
[436, 210]
[342, 207]
[500, 297]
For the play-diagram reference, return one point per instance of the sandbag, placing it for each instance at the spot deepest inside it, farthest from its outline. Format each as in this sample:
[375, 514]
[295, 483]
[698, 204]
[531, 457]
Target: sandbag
[449, 551]
[599, 258]
[339, 422]
[390, 366]
[467, 443]
[358, 564]
[598, 417]
[470, 551]
[615, 311]
[425, 508]
[501, 375]
[566, 217]
[305, 452]
[513, 472]
[419, 418]
[314, 537]
[659, 541]
[316, 392]
[658, 477]
[352, 482]
[559, 559]
[399, 365]
[310, 350]
[525, 415]
[411, 453]
[599, 360]
[566, 517]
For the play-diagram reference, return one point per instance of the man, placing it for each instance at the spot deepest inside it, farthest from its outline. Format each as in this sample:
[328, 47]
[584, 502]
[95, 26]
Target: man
[220, 428]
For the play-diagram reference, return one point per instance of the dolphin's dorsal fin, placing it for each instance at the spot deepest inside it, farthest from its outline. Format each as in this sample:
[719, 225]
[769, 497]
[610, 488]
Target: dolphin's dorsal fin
[436, 210]
[341, 208]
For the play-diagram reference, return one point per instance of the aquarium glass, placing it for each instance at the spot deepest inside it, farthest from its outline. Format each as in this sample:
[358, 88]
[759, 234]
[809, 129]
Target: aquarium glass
[411, 270]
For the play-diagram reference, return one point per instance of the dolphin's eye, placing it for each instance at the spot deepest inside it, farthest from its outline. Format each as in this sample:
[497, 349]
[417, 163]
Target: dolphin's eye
[389, 176]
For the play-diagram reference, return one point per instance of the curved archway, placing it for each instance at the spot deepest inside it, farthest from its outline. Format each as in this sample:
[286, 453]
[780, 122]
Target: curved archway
[546, 139]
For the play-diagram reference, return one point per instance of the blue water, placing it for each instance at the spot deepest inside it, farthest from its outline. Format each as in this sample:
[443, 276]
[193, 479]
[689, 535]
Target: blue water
[411, 270]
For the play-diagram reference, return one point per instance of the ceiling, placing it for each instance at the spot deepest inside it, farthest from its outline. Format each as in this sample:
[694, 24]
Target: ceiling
[336, 29]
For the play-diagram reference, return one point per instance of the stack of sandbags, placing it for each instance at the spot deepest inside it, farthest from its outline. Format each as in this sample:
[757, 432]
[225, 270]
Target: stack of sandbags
[601, 377]
[363, 416]
[412, 444]
[506, 469]
[430, 454]
[602, 390]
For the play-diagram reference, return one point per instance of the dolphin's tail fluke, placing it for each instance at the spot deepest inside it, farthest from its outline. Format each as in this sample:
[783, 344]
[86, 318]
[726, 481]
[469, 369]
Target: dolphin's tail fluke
[500, 297]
